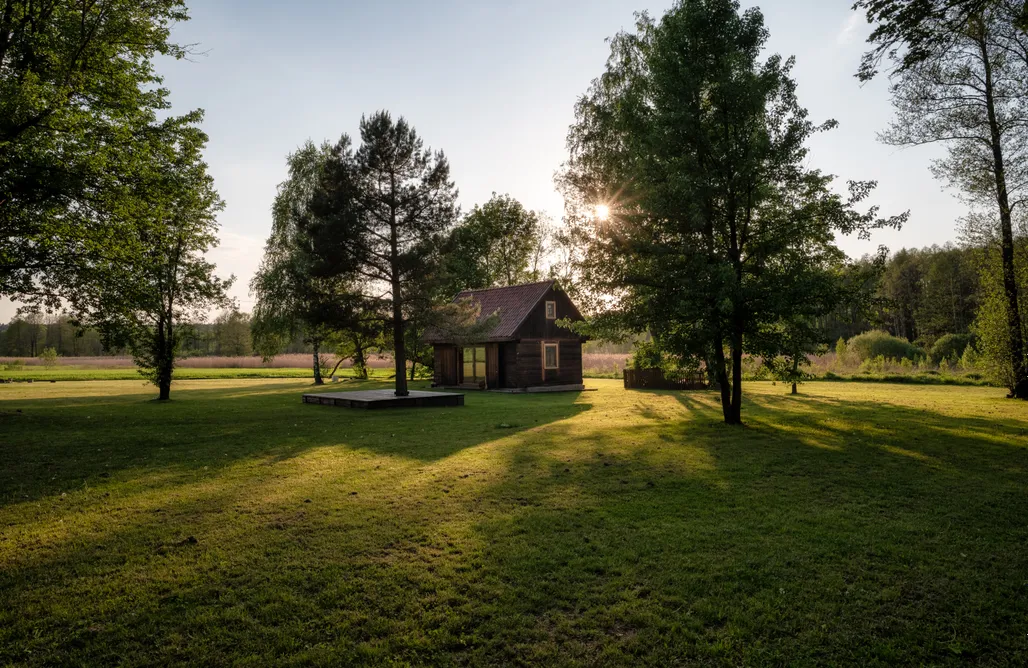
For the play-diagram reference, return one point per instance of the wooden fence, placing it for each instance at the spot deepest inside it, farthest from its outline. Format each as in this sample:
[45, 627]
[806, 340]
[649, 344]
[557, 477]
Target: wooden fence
[656, 379]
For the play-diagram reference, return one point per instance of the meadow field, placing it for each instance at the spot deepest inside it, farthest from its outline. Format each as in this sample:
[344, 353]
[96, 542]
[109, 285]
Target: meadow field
[853, 524]
[594, 365]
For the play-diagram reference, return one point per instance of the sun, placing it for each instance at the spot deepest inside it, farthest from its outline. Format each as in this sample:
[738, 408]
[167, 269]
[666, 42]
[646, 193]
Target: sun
[602, 212]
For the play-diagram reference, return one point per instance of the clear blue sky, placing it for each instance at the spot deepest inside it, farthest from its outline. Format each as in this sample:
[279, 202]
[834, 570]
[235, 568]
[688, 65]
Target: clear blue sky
[493, 84]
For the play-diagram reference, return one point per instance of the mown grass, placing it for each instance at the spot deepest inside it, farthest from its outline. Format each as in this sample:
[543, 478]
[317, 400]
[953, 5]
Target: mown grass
[854, 524]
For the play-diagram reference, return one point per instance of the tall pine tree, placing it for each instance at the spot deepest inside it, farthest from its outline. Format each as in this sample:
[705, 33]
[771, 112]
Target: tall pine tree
[379, 217]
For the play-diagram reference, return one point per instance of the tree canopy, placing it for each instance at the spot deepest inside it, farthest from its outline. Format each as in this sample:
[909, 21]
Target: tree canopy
[145, 297]
[378, 219]
[291, 299]
[910, 32]
[968, 89]
[714, 235]
[79, 106]
[497, 244]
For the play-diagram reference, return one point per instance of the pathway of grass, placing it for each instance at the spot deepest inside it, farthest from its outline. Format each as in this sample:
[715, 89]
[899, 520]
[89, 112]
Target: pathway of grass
[855, 524]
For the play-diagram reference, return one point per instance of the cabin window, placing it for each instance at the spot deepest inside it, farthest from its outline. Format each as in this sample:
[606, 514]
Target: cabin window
[551, 310]
[474, 365]
[550, 356]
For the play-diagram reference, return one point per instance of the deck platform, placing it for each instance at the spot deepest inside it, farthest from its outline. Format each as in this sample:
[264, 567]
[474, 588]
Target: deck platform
[370, 399]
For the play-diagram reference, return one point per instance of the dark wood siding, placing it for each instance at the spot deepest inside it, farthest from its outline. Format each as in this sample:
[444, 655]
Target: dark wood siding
[492, 365]
[509, 359]
[570, 363]
[530, 363]
[445, 365]
[537, 326]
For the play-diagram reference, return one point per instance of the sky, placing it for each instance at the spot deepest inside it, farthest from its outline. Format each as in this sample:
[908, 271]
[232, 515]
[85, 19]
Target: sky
[493, 84]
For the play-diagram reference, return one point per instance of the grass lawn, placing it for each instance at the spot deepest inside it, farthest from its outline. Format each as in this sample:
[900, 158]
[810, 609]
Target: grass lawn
[855, 524]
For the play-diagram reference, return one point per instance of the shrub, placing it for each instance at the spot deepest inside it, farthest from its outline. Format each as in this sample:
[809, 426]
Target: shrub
[874, 344]
[969, 360]
[841, 351]
[647, 356]
[949, 347]
[48, 357]
[875, 365]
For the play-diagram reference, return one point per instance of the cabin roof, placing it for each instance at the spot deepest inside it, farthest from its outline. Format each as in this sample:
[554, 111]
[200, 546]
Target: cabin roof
[511, 304]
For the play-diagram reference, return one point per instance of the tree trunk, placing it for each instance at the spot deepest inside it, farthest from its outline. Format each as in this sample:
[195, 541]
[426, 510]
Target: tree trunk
[736, 415]
[360, 363]
[400, 353]
[165, 358]
[399, 350]
[1019, 386]
[164, 389]
[721, 373]
[336, 367]
[795, 372]
[316, 345]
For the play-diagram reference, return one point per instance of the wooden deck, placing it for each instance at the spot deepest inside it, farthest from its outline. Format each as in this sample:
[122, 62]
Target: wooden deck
[370, 399]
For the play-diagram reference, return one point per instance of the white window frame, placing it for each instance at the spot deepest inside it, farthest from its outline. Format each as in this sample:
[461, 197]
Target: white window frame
[549, 306]
[556, 348]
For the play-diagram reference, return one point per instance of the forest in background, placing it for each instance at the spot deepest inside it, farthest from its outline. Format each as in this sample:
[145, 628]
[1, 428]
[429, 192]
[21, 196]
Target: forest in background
[922, 295]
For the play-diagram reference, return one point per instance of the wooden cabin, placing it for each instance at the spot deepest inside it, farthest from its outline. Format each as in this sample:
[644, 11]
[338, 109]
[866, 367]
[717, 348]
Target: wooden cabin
[525, 351]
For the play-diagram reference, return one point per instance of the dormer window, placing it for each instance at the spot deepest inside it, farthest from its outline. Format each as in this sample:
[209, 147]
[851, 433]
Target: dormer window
[551, 310]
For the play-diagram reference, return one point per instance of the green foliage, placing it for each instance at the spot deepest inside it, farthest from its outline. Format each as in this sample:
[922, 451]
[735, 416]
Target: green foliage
[377, 222]
[960, 78]
[911, 33]
[499, 243]
[292, 298]
[648, 355]
[288, 296]
[48, 357]
[991, 328]
[875, 344]
[969, 360]
[875, 364]
[949, 347]
[720, 238]
[232, 333]
[165, 281]
[929, 292]
[842, 352]
[79, 108]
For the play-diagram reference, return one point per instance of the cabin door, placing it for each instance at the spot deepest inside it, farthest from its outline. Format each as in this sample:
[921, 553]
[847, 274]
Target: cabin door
[446, 361]
[492, 365]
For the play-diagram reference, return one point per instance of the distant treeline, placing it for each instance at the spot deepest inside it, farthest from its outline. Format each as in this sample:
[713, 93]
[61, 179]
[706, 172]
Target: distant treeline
[921, 296]
[28, 335]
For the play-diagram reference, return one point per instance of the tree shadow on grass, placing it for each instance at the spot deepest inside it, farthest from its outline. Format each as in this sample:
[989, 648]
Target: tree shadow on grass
[803, 538]
[62, 444]
[641, 533]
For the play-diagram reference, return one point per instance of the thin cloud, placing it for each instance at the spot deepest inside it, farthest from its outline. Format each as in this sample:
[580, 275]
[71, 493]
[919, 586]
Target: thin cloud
[849, 29]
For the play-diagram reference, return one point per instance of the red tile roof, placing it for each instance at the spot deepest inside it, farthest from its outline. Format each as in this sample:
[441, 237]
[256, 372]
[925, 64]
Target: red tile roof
[512, 304]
